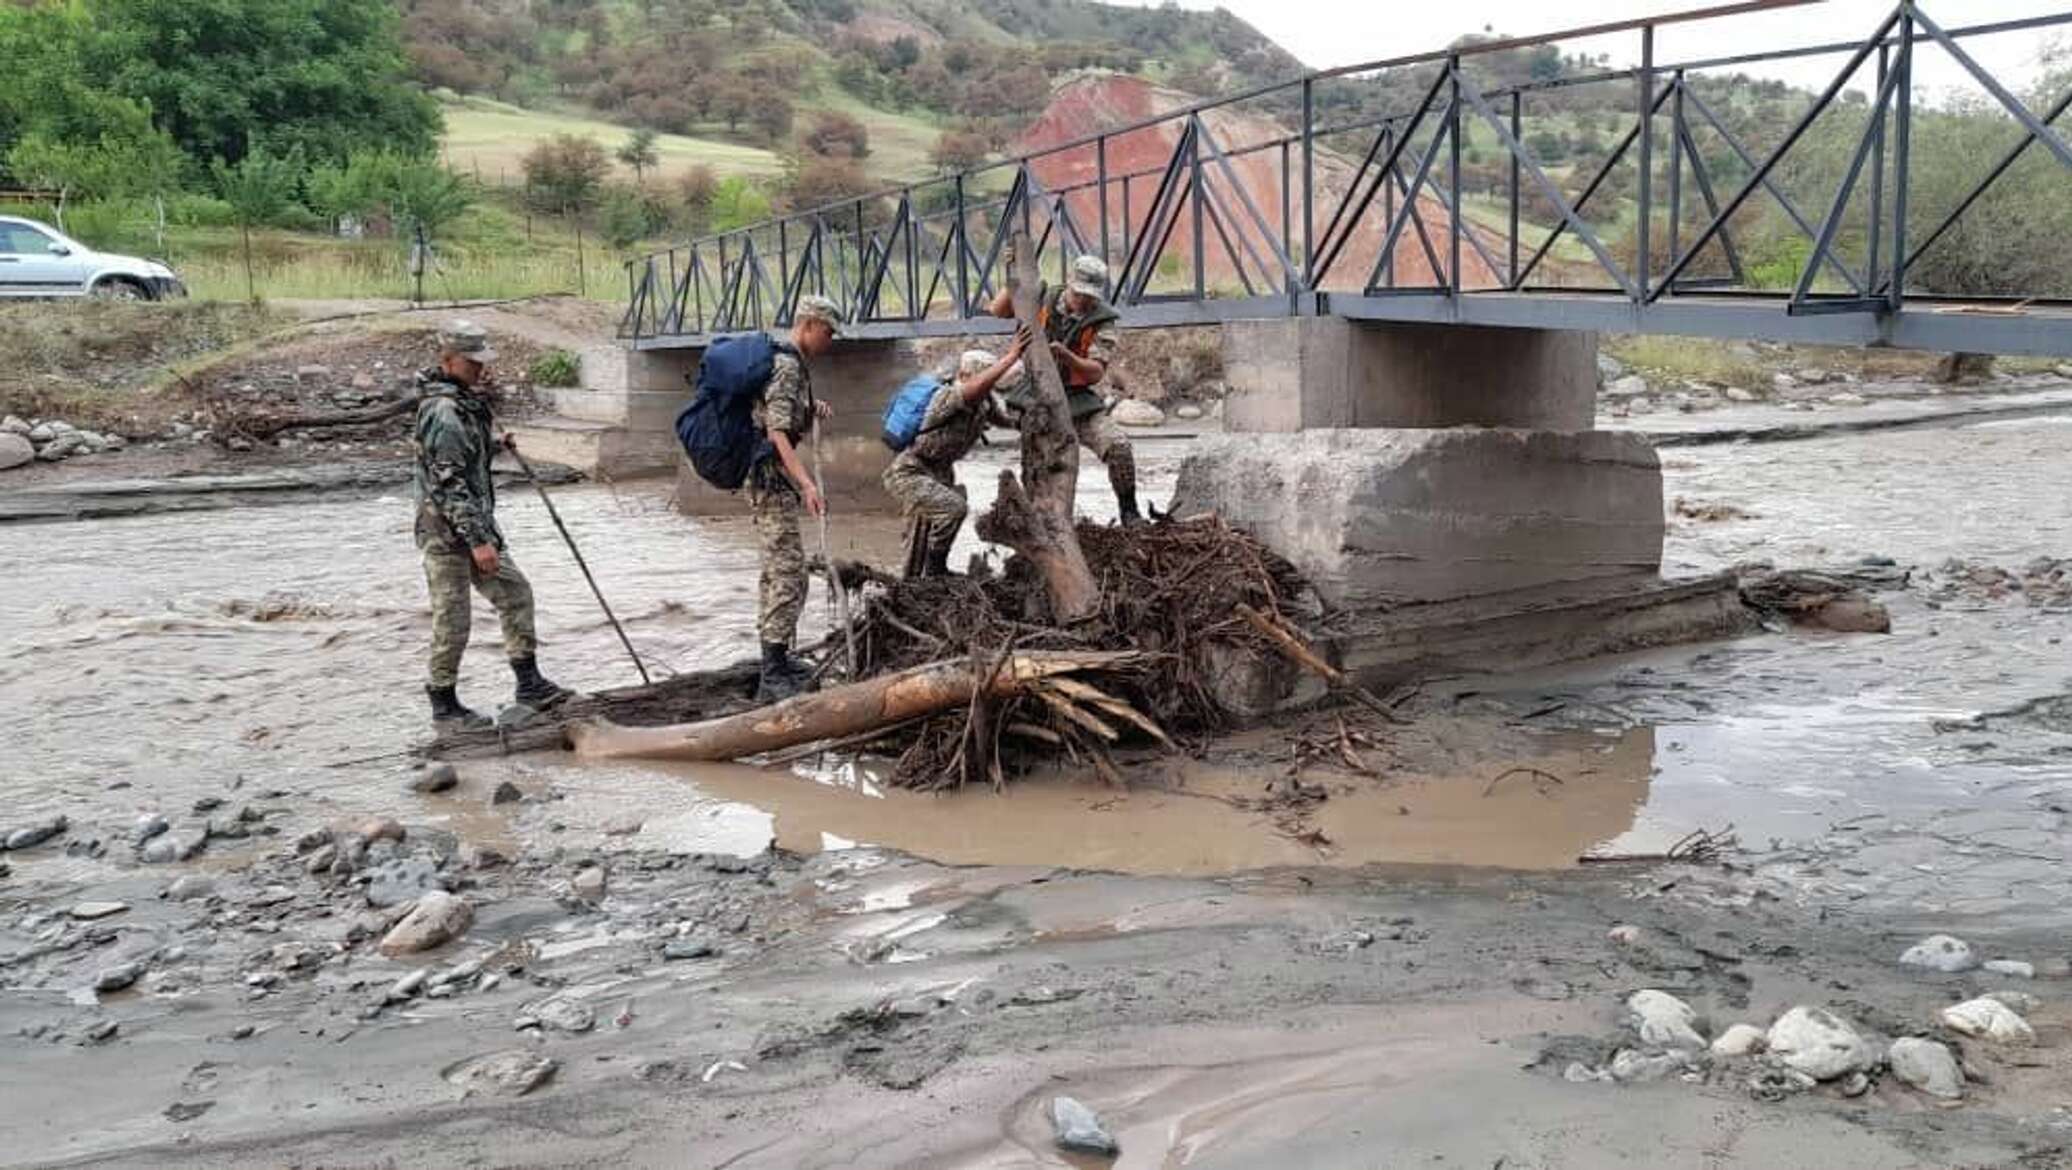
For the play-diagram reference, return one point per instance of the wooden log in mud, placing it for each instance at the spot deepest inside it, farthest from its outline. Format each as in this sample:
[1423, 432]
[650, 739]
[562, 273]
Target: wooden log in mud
[838, 712]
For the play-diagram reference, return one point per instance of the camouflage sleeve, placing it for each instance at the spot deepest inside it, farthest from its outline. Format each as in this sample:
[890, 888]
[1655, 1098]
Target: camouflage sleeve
[784, 399]
[947, 404]
[447, 449]
[1106, 341]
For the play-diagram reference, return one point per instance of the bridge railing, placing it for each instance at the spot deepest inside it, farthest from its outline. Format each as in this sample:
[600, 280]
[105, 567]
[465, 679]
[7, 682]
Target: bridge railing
[1220, 227]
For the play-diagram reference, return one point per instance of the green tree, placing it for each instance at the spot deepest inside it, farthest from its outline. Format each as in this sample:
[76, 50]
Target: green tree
[259, 188]
[638, 152]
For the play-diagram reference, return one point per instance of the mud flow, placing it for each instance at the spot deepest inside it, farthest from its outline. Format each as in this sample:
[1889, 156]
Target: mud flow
[148, 660]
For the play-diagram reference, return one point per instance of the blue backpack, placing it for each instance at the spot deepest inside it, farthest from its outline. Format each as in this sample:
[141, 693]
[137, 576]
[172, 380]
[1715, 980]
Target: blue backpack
[716, 429]
[907, 410]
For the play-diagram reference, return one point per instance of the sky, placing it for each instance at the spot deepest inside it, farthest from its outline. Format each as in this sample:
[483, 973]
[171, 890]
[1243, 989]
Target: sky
[1329, 33]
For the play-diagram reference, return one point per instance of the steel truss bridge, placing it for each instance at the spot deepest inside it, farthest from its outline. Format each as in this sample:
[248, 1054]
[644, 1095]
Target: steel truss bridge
[1284, 225]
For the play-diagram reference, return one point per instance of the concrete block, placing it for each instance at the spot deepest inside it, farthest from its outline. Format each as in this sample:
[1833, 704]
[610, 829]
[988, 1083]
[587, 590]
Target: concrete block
[1378, 518]
[1309, 373]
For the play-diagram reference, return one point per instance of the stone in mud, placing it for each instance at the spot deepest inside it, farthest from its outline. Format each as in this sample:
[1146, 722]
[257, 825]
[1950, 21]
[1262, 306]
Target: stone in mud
[176, 845]
[475, 856]
[379, 829]
[15, 451]
[148, 826]
[311, 841]
[89, 911]
[589, 882]
[36, 833]
[562, 1014]
[1819, 1043]
[1927, 1066]
[182, 1111]
[435, 778]
[1989, 1019]
[1624, 934]
[2013, 968]
[512, 1073]
[1851, 615]
[190, 886]
[437, 918]
[409, 985]
[404, 879]
[1080, 1128]
[1132, 413]
[1664, 1021]
[1940, 952]
[624, 826]
[1632, 1068]
[1629, 386]
[119, 976]
[506, 792]
[1739, 1040]
[105, 1030]
[2021, 1001]
[322, 860]
[1188, 412]
[687, 948]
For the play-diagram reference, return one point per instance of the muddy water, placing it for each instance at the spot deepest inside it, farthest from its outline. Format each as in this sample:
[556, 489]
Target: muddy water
[146, 662]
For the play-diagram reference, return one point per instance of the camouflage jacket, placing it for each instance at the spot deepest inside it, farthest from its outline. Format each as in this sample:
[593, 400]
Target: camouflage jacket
[1090, 335]
[786, 405]
[453, 442]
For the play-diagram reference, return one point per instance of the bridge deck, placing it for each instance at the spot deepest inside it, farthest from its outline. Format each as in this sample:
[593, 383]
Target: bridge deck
[2042, 328]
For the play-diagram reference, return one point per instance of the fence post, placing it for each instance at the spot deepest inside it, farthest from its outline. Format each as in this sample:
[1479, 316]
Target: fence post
[1643, 258]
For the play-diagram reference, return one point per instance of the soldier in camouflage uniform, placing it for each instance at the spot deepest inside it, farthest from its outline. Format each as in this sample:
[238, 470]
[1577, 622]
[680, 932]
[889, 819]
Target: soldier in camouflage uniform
[457, 532]
[779, 489]
[1080, 327]
[923, 478]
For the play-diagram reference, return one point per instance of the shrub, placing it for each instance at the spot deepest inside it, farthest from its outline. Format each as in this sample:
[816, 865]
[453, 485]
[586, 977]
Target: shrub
[556, 367]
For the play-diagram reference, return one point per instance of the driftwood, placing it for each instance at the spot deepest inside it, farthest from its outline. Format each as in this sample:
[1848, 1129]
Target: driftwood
[843, 711]
[1033, 514]
[266, 426]
[1300, 652]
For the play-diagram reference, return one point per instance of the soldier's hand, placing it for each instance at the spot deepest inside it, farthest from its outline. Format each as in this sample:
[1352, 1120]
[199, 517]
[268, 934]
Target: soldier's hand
[510, 442]
[823, 410]
[485, 558]
[815, 506]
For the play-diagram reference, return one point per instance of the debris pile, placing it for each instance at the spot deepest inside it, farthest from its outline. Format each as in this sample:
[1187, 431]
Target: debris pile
[1173, 592]
[2045, 582]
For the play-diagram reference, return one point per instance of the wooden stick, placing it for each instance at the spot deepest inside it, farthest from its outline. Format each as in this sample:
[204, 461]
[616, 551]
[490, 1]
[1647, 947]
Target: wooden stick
[1302, 655]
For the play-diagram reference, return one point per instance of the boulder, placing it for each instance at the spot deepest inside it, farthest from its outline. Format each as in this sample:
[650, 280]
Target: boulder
[15, 450]
[1630, 386]
[1737, 394]
[512, 1073]
[1940, 952]
[1609, 368]
[1989, 1019]
[1379, 517]
[1188, 412]
[1664, 1021]
[1630, 1067]
[1819, 1043]
[438, 917]
[1131, 412]
[1739, 1040]
[15, 425]
[1927, 1066]
[1079, 1128]
[2012, 968]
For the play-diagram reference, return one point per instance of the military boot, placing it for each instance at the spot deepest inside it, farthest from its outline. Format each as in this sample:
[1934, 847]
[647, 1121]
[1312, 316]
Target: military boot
[938, 561]
[781, 677]
[448, 714]
[535, 690]
[1126, 506]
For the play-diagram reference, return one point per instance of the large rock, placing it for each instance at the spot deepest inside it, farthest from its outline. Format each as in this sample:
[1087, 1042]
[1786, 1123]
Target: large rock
[1819, 1043]
[1131, 412]
[1940, 952]
[1989, 1019]
[1664, 1021]
[1079, 1128]
[437, 918]
[15, 450]
[1739, 1040]
[1375, 518]
[1927, 1066]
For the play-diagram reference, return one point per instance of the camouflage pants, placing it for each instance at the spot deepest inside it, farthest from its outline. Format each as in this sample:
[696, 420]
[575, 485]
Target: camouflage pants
[781, 591]
[933, 498]
[1100, 434]
[448, 576]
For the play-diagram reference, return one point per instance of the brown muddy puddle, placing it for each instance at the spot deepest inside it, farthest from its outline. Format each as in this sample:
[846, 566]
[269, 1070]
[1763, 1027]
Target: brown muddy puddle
[1581, 794]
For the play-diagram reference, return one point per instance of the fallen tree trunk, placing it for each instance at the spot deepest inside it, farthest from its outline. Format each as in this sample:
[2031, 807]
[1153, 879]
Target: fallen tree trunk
[1033, 515]
[837, 712]
[266, 426]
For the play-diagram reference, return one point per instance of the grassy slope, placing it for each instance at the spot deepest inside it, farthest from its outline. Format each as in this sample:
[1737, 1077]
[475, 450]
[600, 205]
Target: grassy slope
[493, 137]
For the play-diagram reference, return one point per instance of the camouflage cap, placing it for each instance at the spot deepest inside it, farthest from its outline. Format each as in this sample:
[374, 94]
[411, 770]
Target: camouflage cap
[467, 339]
[1089, 276]
[975, 361]
[818, 308]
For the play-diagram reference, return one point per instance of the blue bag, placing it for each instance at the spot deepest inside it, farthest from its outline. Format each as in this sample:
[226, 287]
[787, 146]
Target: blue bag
[907, 410]
[717, 429]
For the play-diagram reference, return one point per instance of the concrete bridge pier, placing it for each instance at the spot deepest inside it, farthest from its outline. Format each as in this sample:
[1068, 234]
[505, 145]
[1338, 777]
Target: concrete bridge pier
[1310, 373]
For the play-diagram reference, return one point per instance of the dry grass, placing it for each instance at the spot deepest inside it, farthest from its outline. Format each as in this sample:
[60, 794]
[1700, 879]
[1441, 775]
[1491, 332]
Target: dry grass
[95, 363]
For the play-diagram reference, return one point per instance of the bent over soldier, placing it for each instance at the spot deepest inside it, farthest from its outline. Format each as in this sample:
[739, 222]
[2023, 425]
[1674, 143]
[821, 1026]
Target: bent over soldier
[1080, 327]
[779, 489]
[457, 533]
[923, 478]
